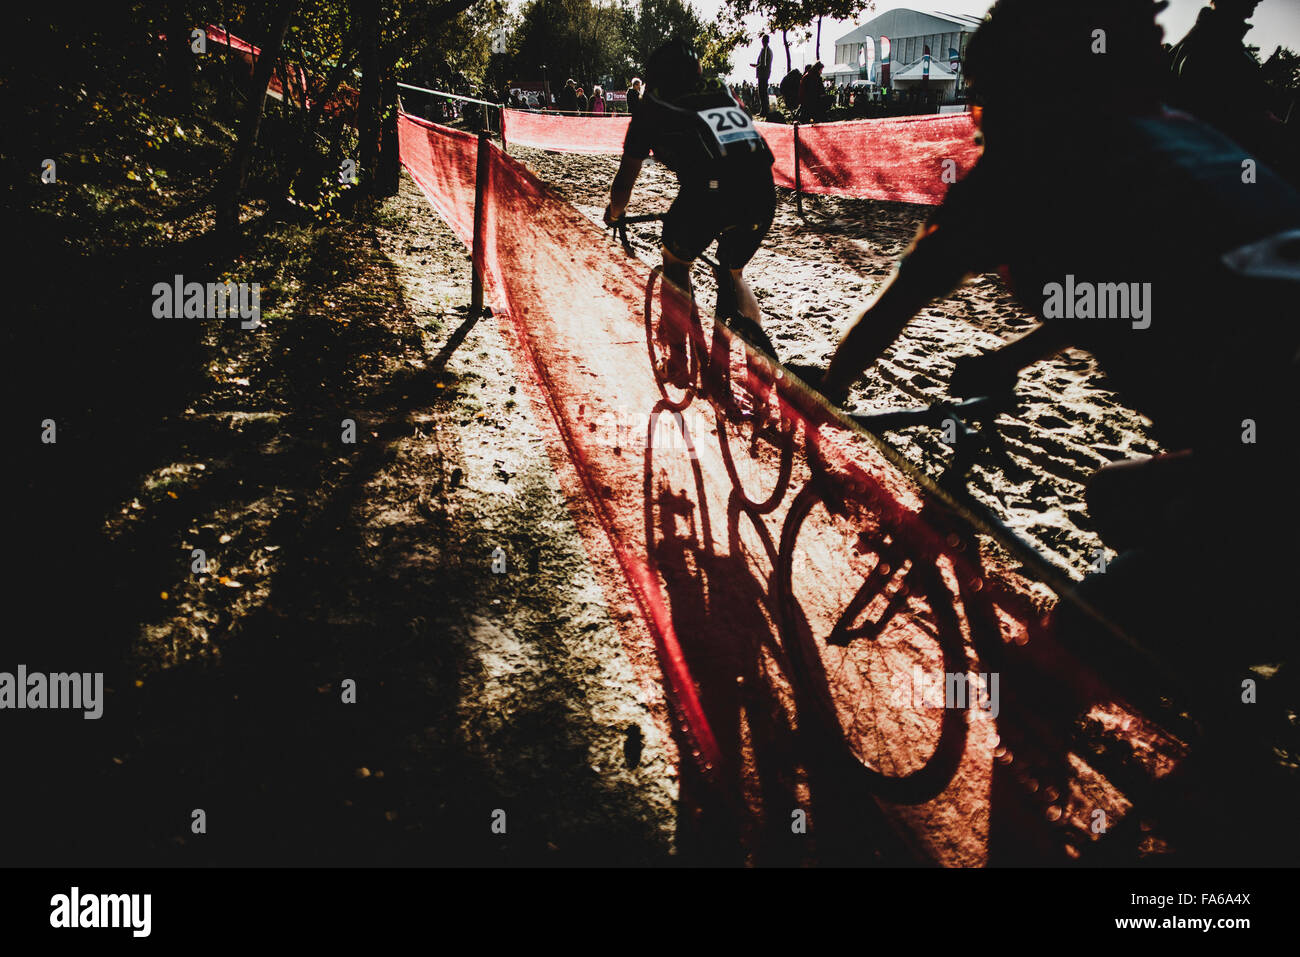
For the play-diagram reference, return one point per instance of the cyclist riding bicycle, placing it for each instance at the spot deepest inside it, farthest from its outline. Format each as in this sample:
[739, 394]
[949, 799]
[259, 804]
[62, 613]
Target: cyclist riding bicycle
[1157, 244]
[698, 130]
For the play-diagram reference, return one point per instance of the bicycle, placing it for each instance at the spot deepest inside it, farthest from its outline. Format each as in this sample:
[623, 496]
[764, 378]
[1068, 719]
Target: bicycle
[753, 433]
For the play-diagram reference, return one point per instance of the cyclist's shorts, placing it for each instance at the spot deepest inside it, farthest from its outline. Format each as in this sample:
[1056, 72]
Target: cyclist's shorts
[737, 213]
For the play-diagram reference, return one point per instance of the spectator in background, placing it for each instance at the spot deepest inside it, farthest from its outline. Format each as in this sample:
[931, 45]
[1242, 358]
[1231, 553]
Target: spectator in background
[581, 105]
[763, 71]
[1216, 80]
[568, 99]
[790, 90]
[813, 101]
[633, 95]
[598, 100]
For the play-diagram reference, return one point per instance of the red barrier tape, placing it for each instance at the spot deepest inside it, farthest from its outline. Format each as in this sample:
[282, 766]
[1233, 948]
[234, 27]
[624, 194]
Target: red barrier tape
[910, 159]
[345, 99]
[567, 134]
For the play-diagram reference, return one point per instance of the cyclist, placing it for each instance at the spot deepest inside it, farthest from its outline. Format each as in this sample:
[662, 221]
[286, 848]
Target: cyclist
[723, 166]
[1215, 79]
[1092, 186]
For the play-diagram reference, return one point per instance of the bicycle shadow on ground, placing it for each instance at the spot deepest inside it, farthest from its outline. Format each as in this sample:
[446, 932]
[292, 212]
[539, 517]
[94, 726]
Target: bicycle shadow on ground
[717, 593]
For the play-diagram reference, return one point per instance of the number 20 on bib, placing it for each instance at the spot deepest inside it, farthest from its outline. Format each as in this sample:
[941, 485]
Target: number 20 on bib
[730, 125]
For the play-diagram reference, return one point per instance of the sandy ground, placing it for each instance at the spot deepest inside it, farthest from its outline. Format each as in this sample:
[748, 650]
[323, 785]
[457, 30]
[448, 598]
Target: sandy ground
[811, 277]
[549, 646]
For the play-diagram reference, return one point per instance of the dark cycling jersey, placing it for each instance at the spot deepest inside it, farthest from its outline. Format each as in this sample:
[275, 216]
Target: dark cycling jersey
[723, 165]
[1128, 235]
[702, 135]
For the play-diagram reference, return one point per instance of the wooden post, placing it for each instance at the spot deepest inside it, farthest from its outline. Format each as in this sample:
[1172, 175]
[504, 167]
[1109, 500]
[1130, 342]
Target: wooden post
[503, 129]
[480, 211]
[798, 196]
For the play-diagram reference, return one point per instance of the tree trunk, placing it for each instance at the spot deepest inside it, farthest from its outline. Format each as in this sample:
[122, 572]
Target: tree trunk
[389, 171]
[785, 38]
[180, 59]
[367, 19]
[227, 204]
[817, 50]
[226, 95]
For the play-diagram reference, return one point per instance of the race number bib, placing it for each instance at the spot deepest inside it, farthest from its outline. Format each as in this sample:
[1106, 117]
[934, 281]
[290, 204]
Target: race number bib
[731, 127]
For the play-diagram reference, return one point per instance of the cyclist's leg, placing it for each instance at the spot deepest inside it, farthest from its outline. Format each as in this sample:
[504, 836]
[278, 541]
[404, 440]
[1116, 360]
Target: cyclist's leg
[746, 303]
[751, 206]
[675, 308]
[687, 232]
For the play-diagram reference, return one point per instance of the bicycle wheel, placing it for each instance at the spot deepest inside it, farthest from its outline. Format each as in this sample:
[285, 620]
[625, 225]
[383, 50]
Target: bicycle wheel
[676, 396]
[872, 634]
[757, 440]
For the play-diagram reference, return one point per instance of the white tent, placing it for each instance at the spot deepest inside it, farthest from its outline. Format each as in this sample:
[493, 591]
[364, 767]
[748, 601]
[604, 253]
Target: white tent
[939, 73]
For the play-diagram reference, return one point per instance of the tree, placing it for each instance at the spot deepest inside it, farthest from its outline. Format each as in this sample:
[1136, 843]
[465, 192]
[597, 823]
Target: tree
[572, 38]
[783, 16]
[180, 59]
[835, 10]
[590, 40]
[236, 176]
[388, 33]
[795, 17]
[658, 21]
[1281, 72]
[715, 46]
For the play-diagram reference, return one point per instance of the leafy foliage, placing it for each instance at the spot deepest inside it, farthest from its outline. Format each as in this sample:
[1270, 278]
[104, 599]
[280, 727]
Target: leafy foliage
[1282, 74]
[596, 41]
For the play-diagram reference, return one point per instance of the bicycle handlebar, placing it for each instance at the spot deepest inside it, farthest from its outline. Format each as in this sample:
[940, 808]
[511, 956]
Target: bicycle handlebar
[619, 226]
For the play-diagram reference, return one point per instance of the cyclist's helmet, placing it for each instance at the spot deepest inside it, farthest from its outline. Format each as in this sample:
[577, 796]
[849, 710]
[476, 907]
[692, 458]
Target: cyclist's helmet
[672, 70]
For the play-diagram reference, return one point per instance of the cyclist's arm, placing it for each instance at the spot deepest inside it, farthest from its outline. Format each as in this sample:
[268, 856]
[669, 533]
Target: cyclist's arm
[930, 270]
[621, 192]
[1041, 343]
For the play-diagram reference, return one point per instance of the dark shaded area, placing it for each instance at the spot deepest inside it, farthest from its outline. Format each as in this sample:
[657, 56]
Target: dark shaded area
[174, 434]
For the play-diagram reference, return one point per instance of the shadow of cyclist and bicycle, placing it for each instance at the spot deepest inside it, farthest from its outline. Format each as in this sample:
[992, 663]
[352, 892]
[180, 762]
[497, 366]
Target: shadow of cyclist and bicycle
[800, 682]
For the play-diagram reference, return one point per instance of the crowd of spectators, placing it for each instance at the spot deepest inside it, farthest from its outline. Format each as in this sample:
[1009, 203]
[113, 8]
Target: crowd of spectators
[805, 96]
[573, 97]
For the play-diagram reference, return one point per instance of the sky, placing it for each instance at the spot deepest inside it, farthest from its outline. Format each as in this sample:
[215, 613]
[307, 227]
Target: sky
[1276, 22]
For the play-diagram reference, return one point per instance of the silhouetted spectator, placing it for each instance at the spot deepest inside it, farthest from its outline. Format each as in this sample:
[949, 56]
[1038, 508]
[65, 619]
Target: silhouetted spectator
[567, 101]
[790, 90]
[1216, 80]
[763, 71]
[814, 104]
